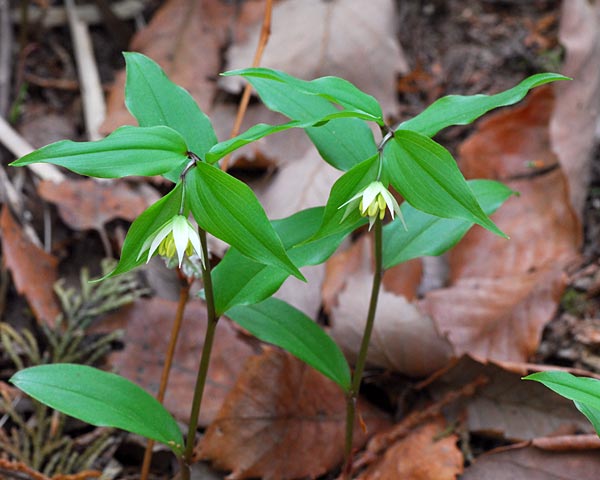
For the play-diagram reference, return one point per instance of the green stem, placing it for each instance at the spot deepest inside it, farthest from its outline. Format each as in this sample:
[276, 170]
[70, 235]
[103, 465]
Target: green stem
[209, 336]
[352, 395]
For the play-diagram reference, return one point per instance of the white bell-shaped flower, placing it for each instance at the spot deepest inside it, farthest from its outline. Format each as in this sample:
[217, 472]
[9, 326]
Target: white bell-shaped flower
[372, 202]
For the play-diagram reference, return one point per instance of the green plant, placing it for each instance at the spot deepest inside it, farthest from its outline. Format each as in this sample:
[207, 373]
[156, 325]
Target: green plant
[175, 139]
[584, 391]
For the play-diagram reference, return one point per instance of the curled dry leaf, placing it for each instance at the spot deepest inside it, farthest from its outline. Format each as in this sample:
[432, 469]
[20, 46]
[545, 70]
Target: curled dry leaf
[426, 453]
[33, 270]
[88, 204]
[573, 127]
[524, 461]
[505, 407]
[147, 324]
[497, 318]
[404, 339]
[185, 37]
[313, 38]
[282, 420]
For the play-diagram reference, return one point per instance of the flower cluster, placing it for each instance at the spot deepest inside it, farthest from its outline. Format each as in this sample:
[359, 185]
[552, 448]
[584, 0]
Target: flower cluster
[372, 202]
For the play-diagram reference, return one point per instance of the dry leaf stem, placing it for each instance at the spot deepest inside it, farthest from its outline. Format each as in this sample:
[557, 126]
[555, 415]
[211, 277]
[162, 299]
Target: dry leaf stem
[352, 396]
[184, 294]
[265, 32]
[211, 326]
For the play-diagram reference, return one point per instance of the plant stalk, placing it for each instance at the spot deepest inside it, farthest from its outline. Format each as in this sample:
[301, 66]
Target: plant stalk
[209, 336]
[352, 396]
[184, 294]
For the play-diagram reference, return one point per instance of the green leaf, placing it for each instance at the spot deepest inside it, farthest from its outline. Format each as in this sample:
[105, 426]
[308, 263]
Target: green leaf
[277, 322]
[100, 398]
[342, 142]
[592, 414]
[426, 175]
[462, 110]
[428, 235]
[127, 151]
[228, 209]
[349, 184]
[153, 100]
[144, 226]
[584, 391]
[334, 89]
[239, 280]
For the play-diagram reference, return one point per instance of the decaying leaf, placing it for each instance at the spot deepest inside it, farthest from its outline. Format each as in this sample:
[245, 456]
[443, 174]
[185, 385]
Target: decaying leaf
[33, 270]
[147, 325]
[426, 453]
[497, 318]
[524, 461]
[88, 204]
[185, 38]
[506, 407]
[352, 39]
[282, 420]
[573, 127]
[404, 339]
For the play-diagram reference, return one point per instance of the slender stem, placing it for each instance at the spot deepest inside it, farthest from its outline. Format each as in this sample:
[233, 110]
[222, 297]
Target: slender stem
[205, 360]
[265, 32]
[184, 294]
[352, 396]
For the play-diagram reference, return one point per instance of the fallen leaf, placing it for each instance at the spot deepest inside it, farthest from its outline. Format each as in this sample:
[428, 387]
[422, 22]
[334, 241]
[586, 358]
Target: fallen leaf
[34, 271]
[496, 318]
[185, 38]
[348, 38]
[88, 204]
[524, 461]
[573, 127]
[506, 406]
[403, 339]
[428, 452]
[282, 420]
[147, 325]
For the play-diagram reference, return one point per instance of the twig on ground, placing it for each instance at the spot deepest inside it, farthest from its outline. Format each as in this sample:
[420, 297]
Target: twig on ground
[260, 48]
[94, 107]
[5, 56]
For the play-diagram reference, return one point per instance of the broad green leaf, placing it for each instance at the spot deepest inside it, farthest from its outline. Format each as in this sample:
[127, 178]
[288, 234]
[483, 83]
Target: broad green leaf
[148, 223]
[592, 414]
[349, 184]
[229, 210]
[579, 389]
[100, 398]
[153, 100]
[427, 176]
[342, 142]
[464, 109]
[261, 130]
[334, 89]
[127, 151]
[239, 280]
[428, 235]
[274, 321]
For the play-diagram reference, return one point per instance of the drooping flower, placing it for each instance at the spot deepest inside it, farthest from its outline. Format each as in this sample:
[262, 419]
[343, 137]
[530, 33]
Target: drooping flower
[177, 236]
[372, 202]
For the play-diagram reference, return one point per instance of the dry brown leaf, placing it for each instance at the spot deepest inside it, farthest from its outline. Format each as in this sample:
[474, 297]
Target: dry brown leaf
[426, 453]
[282, 420]
[404, 339]
[496, 318]
[506, 407]
[573, 127]
[527, 462]
[185, 38]
[33, 270]
[88, 204]
[147, 324]
[352, 39]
